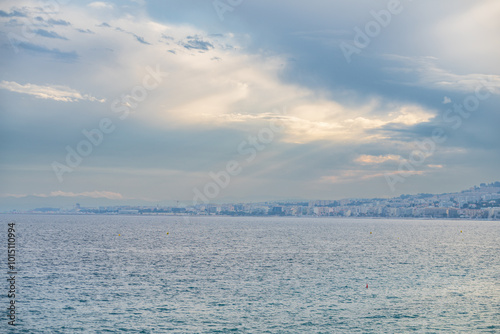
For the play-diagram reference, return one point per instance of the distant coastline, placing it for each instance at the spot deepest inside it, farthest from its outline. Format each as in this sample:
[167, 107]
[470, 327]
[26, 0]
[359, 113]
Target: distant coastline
[479, 202]
[247, 216]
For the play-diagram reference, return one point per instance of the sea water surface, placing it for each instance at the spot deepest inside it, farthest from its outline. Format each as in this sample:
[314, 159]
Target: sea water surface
[98, 274]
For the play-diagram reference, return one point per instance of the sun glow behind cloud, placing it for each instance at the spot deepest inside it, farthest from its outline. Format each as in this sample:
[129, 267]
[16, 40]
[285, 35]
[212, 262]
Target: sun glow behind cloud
[371, 159]
[212, 81]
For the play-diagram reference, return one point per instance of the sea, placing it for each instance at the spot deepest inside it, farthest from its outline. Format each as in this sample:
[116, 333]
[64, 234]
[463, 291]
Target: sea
[174, 274]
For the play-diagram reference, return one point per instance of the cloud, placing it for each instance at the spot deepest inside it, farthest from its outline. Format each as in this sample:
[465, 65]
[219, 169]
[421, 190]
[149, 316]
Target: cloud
[14, 13]
[59, 22]
[13, 195]
[197, 43]
[446, 100]
[92, 194]
[49, 34]
[137, 37]
[56, 93]
[372, 160]
[238, 91]
[53, 22]
[68, 56]
[59, 193]
[85, 31]
[101, 5]
[354, 176]
[332, 121]
[140, 39]
[428, 74]
[163, 36]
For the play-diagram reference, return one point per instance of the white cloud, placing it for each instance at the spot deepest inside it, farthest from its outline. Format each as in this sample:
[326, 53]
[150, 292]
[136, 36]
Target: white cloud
[431, 75]
[446, 100]
[13, 195]
[376, 159]
[100, 5]
[51, 92]
[59, 193]
[92, 194]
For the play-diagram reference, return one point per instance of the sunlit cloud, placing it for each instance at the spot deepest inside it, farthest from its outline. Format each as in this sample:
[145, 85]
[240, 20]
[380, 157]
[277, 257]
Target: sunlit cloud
[48, 92]
[372, 159]
[100, 5]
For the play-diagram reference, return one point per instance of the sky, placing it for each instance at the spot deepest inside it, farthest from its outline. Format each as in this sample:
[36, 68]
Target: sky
[247, 100]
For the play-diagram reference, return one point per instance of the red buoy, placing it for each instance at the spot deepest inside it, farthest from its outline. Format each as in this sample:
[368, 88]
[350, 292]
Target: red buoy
[367, 285]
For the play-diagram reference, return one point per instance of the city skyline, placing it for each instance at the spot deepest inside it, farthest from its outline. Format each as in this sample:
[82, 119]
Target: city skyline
[479, 201]
[236, 101]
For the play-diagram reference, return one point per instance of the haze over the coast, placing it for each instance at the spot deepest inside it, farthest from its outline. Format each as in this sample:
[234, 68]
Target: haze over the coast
[247, 100]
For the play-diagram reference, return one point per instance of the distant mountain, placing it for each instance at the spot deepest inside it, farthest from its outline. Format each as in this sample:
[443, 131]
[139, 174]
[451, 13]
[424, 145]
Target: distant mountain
[26, 203]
